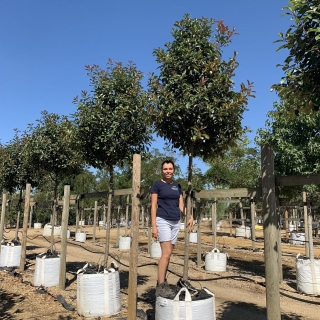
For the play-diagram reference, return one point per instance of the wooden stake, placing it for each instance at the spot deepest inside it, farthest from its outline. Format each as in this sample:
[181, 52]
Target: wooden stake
[230, 223]
[241, 212]
[108, 226]
[286, 216]
[198, 233]
[95, 219]
[133, 268]
[25, 227]
[127, 217]
[64, 240]
[3, 213]
[305, 216]
[271, 229]
[253, 224]
[214, 223]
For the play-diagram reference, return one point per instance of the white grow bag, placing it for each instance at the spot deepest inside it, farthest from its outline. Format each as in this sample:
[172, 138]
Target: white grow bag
[10, 255]
[297, 237]
[155, 250]
[48, 228]
[81, 236]
[124, 243]
[304, 276]
[37, 225]
[193, 237]
[98, 294]
[47, 271]
[243, 231]
[216, 261]
[167, 309]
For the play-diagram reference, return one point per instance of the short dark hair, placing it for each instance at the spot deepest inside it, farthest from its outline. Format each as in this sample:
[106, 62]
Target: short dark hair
[167, 161]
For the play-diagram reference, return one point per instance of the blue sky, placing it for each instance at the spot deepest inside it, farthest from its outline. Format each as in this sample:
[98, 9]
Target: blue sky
[46, 44]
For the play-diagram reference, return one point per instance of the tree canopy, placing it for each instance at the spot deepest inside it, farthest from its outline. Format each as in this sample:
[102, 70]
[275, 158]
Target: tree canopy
[53, 148]
[112, 119]
[196, 106]
[296, 140]
[300, 87]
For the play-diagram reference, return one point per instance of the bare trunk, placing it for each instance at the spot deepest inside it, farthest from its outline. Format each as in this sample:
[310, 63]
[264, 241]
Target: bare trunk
[189, 202]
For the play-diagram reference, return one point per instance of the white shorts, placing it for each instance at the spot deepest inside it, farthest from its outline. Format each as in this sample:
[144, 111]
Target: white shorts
[167, 230]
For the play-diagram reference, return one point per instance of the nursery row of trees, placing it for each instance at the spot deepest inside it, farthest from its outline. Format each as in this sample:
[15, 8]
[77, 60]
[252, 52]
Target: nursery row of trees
[191, 102]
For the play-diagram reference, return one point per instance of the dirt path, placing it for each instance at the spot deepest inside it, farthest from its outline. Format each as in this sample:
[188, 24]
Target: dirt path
[239, 291]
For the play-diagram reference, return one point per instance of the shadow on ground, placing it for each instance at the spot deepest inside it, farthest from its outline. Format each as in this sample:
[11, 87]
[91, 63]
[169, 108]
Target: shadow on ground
[8, 301]
[244, 311]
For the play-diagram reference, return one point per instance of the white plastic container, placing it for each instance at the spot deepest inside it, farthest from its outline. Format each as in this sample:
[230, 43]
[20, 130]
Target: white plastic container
[81, 236]
[155, 250]
[47, 230]
[182, 226]
[124, 243]
[10, 255]
[297, 237]
[304, 276]
[193, 237]
[98, 295]
[81, 223]
[37, 225]
[167, 309]
[243, 231]
[47, 271]
[216, 261]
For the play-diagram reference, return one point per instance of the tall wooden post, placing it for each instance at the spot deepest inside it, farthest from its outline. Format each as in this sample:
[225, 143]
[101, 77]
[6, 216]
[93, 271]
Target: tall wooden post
[271, 230]
[214, 223]
[305, 216]
[133, 268]
[95, 219]
[3, 213]
[25, 227]
[253, 223]
[64, 231]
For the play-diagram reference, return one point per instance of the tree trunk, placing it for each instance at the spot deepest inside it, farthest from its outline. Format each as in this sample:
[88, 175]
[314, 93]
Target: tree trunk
[186, 234]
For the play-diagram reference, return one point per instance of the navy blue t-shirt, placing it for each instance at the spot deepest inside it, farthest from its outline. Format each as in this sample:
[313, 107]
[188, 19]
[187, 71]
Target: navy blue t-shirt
[168, 199]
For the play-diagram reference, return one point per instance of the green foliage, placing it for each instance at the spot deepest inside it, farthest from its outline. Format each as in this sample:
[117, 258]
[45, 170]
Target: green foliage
[238, 167]
[112, 121]
[300, 87]
[195, 105]
[296, 141]
[16, 169]
[53, 148]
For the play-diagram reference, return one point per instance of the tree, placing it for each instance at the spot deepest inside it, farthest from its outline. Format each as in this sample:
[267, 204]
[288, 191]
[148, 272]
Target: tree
[112, 120]
[53, 150]
[300, 87]
[195, 105]
[238, 167]
[296, 141]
